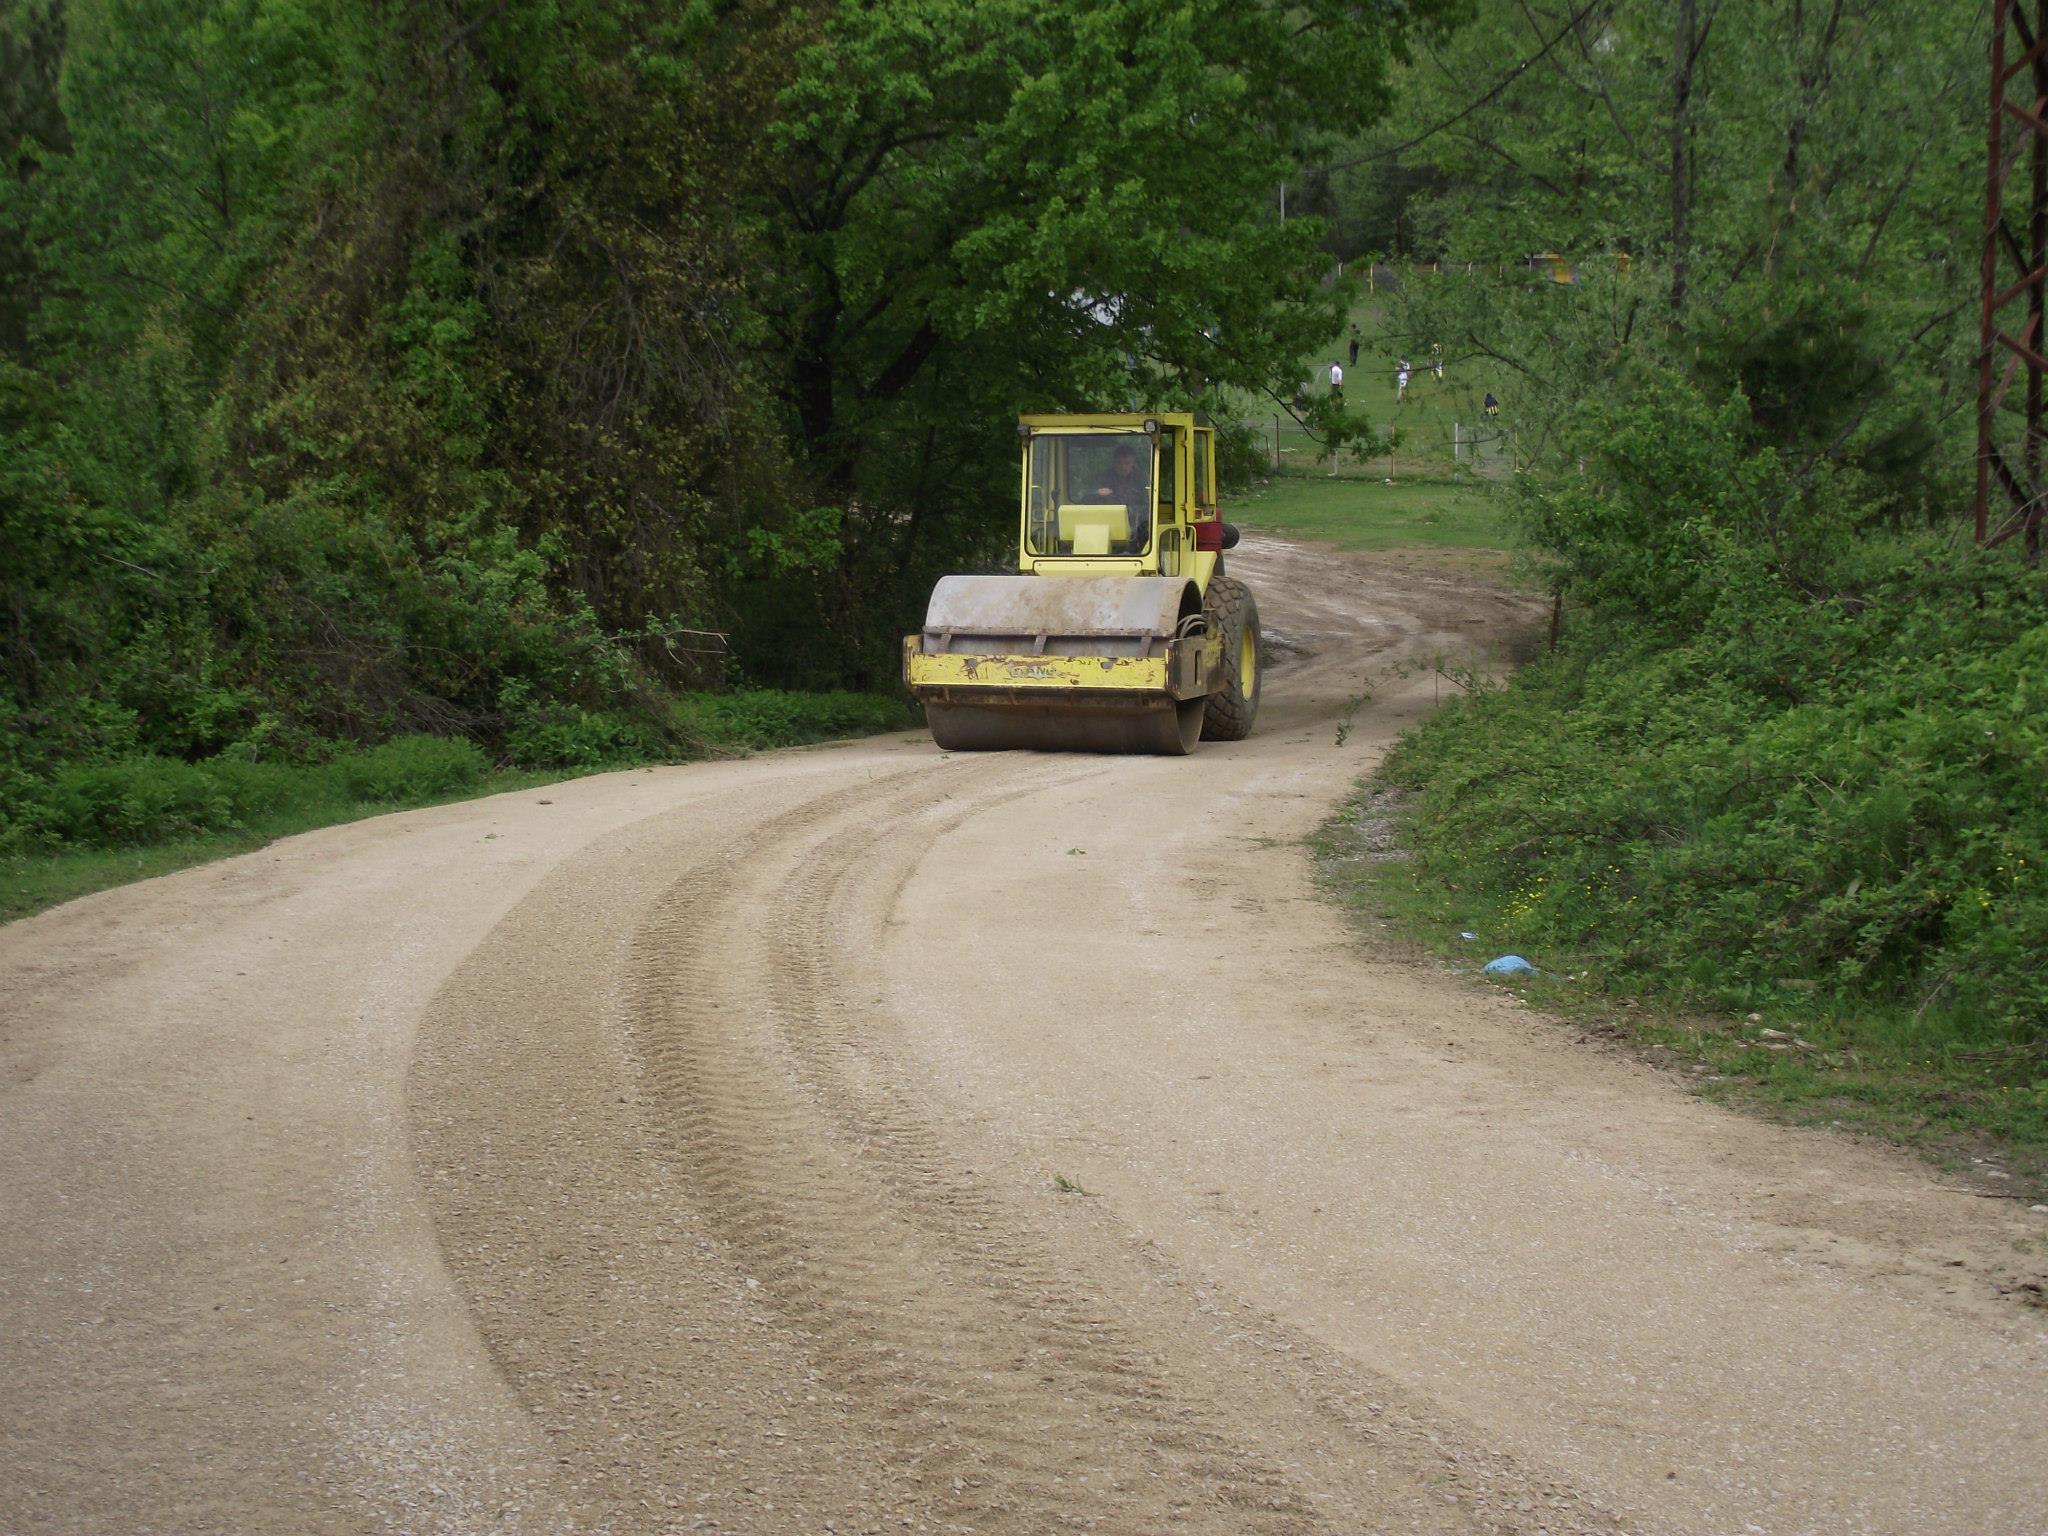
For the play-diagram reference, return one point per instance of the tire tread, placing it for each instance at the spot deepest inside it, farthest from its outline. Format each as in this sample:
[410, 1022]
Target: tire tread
[1229, 714]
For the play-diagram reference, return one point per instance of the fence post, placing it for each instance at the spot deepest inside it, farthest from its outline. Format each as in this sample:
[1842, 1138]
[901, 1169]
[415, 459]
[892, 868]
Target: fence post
[1457, 447]
[1276, 442]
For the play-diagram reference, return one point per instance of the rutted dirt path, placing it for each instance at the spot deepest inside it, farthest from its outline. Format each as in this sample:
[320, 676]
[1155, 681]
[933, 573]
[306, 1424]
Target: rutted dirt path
[871, 1140]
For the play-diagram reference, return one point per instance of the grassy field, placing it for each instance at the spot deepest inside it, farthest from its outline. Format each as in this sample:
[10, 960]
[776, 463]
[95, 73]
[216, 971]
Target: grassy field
[1356, 513]
[1422, 494]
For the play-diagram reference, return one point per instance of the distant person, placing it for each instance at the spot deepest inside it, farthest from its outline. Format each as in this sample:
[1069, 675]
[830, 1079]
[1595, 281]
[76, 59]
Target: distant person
[1436, 358]
[1401, 371]
[1354, 346]
[1492, 405]
[1337, 380]
[1127, 484]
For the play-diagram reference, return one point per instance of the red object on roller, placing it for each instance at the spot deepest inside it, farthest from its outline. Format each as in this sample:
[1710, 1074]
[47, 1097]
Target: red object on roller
[1209, 535]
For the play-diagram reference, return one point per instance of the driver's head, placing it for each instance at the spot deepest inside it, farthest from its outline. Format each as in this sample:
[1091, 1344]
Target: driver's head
[1125, 461]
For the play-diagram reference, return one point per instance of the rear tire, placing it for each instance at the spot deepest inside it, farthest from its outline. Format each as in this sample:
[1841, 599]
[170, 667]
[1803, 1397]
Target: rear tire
[1234, 704]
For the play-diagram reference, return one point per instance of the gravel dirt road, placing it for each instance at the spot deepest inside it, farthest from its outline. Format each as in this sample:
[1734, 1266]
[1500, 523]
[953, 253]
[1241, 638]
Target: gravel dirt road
[870, 1140]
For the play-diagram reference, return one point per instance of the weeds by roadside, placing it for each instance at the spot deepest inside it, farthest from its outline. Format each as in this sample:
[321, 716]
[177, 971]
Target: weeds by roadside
[1905, 1074]
[97, 825]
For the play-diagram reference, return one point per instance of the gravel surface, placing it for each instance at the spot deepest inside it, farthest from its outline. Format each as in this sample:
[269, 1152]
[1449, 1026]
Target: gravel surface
[874, 1140]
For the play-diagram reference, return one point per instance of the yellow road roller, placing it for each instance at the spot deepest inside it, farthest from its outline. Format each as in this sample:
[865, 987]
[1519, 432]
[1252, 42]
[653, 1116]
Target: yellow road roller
[1121, 633]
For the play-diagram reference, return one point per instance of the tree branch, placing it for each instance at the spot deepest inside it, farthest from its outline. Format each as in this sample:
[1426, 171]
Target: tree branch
[895, 378]
[1459, 116]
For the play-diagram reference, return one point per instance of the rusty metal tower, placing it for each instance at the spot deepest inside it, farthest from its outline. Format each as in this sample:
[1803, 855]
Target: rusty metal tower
[2015, 275]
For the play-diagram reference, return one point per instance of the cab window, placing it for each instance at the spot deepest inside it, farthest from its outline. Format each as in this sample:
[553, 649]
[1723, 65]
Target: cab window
[1089, 494]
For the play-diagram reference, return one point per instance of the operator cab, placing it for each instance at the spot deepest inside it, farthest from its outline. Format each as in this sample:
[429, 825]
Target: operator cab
[1090, 494]
[1124, 494]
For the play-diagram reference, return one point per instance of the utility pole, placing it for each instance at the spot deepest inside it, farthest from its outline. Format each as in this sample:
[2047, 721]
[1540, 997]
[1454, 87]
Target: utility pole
[2020, 257]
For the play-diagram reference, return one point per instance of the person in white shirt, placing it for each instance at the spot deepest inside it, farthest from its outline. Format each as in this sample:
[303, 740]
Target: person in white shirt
[1337, 380]
[1401, 382]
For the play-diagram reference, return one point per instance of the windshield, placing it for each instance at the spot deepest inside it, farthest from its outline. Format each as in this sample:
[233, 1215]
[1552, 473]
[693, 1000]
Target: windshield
[1089, 493]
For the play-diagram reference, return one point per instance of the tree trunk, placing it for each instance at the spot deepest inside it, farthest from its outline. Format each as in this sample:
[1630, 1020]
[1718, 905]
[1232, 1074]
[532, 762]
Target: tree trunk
[1684, 49]
[1814, 71]
[816, 402]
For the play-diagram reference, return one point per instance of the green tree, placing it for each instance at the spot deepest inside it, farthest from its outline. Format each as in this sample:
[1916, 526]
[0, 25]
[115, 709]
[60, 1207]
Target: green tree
[397, 366]
[32, 126]
[975, 208]
[1818, 253]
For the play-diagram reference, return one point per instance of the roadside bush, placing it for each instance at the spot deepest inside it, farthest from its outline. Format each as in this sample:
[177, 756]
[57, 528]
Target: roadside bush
[140, 800]
[255, 790]
[26, 815]
[578, 738]
[762, 718]
[134, 801]
[1779, 756]
[1874, 839]
[411, 768]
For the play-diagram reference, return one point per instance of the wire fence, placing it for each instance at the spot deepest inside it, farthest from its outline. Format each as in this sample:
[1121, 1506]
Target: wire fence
[1427, 449]
[1543, 267]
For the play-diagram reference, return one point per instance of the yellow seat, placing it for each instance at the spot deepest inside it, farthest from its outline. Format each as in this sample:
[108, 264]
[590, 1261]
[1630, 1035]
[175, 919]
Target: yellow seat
[1089, 528]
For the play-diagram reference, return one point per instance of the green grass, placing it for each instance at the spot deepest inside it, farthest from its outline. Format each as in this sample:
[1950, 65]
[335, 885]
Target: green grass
[135, 805]
[1890, 1072]
[1418, 496]
[31, 882]
[1355, 513]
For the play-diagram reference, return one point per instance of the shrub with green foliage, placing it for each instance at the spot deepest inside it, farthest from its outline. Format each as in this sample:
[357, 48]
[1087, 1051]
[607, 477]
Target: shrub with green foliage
[257, 790]
[133, 801]
[1782, 752]
[760, 718]
[141, 800]
[578, 738]
[411, 768]
[1862, 823]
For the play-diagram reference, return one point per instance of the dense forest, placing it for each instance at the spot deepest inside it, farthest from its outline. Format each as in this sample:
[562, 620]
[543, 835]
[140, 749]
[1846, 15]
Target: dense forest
[449, 367]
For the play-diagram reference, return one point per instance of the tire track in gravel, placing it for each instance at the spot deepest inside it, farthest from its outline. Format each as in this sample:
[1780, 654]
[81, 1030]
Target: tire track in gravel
[1013, 1374]
[861, 1289]
[673, 1151]
[1009, 1397]
[1299, 1403]
[602, 1296]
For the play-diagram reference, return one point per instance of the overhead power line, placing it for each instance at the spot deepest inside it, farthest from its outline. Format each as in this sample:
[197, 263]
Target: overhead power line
[1499, 86]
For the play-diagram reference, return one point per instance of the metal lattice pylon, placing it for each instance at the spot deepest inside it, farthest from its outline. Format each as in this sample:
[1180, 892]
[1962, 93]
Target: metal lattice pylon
[2018, 134]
